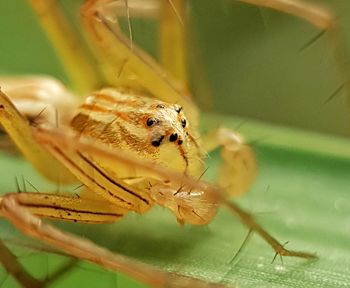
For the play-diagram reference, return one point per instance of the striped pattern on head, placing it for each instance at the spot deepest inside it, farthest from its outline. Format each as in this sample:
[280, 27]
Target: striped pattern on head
[141, 126]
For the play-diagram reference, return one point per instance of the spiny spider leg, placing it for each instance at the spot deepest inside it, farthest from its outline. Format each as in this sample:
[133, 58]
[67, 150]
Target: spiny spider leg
[323, 19]
[87, 250]
[180, 179]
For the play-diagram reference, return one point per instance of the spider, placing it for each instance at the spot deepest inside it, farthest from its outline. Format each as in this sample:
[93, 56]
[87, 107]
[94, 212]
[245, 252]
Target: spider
[133, 142]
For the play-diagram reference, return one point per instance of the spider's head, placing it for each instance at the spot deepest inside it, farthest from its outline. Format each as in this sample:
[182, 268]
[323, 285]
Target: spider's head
[171, 137]
[166, 123]
[145, 127]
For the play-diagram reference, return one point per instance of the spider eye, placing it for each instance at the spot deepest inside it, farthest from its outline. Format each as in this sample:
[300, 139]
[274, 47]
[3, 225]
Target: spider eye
[178, 109]
[150, 122]
[183, 123]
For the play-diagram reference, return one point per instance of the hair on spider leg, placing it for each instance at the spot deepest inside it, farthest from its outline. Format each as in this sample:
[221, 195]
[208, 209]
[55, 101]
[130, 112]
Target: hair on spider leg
[32, 185]
[334, 93]
[177, 14]
[203, 173]
[240, 124]
[199, 178]
[281, 257]
[182, 186]
[249, 220]
[122, 66]
[312, 40]
[240, 249]
[255, 142]
[108, 20]
[237, 253]
[178, 190]
[129, 23]
[246, 239]
[18, 188]
[33, 121]
[78, 187]
[24, 184]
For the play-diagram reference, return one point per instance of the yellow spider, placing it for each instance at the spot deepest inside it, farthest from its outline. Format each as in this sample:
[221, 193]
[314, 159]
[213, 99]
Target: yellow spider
[133, 142]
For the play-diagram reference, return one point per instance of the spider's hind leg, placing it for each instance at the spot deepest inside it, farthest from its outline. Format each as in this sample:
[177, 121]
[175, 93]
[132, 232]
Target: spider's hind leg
[74, 56]
[322, 18]
[27, 91]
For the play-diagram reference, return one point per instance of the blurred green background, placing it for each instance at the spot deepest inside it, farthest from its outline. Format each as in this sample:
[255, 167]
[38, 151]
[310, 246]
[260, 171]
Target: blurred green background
[250, 62]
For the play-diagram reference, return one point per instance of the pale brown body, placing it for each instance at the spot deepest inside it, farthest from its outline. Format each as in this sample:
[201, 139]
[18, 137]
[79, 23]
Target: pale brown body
[128, 144]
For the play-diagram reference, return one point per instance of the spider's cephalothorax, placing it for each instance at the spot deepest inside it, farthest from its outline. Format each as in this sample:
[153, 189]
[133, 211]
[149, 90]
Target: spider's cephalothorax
[144, 127]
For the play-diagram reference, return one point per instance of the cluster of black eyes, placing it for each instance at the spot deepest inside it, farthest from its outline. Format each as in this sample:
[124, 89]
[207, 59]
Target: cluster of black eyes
[173, 137]
[150, 122]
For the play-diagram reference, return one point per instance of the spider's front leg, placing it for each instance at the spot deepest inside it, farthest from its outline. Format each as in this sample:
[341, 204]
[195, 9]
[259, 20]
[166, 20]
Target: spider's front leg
[320, 17]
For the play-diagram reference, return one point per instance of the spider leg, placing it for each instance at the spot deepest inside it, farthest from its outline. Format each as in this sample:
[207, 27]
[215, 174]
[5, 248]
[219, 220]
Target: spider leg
[239, 168]
[58, 207]
[212, 193]
[315, 14]
[237, 174]
[12, 266]
[320, 17]
[67, 207]
[40, 99]
[100, 179]
[250, 222]
[75, 58]
[172, 38]
[114, 50]
[20, 216]
[21, 133]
